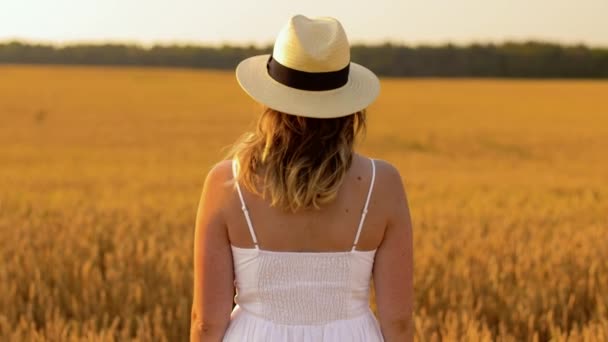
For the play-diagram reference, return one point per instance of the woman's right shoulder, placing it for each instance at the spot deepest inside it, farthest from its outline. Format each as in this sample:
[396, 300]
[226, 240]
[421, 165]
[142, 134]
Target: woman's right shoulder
[389, 185]
[387, 174]
[386, 171]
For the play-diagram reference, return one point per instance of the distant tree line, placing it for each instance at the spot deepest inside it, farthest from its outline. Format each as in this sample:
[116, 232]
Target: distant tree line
[531, 59]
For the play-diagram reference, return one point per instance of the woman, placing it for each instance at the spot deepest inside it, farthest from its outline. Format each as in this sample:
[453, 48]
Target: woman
[297, 222]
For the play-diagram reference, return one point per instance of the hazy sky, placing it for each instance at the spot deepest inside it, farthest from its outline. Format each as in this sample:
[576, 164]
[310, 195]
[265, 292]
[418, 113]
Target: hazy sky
[258, 21]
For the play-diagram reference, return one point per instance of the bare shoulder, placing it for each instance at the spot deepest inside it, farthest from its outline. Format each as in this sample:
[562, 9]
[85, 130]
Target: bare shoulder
[220, 174]
[388, 183]
[219, 180]
[387, 174]
[389, 188]
[388, 179]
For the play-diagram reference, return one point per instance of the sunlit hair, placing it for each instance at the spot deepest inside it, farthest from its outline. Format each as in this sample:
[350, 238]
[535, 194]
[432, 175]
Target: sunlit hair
[299, 162]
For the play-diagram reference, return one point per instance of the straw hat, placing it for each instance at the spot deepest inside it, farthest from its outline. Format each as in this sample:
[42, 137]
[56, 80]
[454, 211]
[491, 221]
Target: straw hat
[309, 72]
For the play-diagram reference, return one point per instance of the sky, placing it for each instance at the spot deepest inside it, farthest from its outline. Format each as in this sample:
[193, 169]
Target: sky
[258, 21]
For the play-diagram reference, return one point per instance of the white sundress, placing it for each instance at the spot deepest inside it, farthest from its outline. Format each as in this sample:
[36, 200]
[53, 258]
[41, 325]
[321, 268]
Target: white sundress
[302, 296]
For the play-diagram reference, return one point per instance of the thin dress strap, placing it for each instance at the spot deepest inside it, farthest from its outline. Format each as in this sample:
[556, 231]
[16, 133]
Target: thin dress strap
[364, 213]
[243, 206]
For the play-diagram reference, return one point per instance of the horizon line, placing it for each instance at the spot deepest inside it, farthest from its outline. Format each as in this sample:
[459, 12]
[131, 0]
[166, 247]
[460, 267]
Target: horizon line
[258, 45]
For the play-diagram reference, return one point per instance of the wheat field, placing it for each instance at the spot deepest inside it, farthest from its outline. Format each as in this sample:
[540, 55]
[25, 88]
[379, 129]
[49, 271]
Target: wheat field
[101, 170]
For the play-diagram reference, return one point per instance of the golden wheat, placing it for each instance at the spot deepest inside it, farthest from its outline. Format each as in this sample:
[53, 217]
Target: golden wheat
[101, 170]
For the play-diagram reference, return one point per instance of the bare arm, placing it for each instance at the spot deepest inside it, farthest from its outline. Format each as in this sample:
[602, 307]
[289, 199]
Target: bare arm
[213, 269]
[393, 266]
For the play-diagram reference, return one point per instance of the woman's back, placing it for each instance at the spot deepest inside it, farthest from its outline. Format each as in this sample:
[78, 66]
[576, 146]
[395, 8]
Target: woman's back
[304, 281]
[301, 225]
[332, 228]
[288, 294]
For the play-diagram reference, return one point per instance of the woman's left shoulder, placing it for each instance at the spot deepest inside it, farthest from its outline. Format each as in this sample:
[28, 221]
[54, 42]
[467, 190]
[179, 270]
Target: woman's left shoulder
[219, 178]
[221, 170]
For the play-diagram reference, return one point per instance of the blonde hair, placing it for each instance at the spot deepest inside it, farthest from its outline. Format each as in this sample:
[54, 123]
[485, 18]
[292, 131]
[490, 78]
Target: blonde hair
[299, 162]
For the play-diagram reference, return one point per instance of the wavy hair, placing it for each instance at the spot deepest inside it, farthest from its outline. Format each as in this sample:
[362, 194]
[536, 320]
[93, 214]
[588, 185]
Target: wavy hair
[299, 162]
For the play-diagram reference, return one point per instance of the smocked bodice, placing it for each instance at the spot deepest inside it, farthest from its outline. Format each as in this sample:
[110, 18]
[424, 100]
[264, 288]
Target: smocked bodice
[302, 288]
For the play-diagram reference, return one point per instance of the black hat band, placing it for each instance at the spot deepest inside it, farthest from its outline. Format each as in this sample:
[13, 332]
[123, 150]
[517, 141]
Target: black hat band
[304, 80]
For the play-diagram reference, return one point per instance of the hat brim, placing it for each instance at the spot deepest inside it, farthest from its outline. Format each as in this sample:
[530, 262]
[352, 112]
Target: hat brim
[359, 92]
